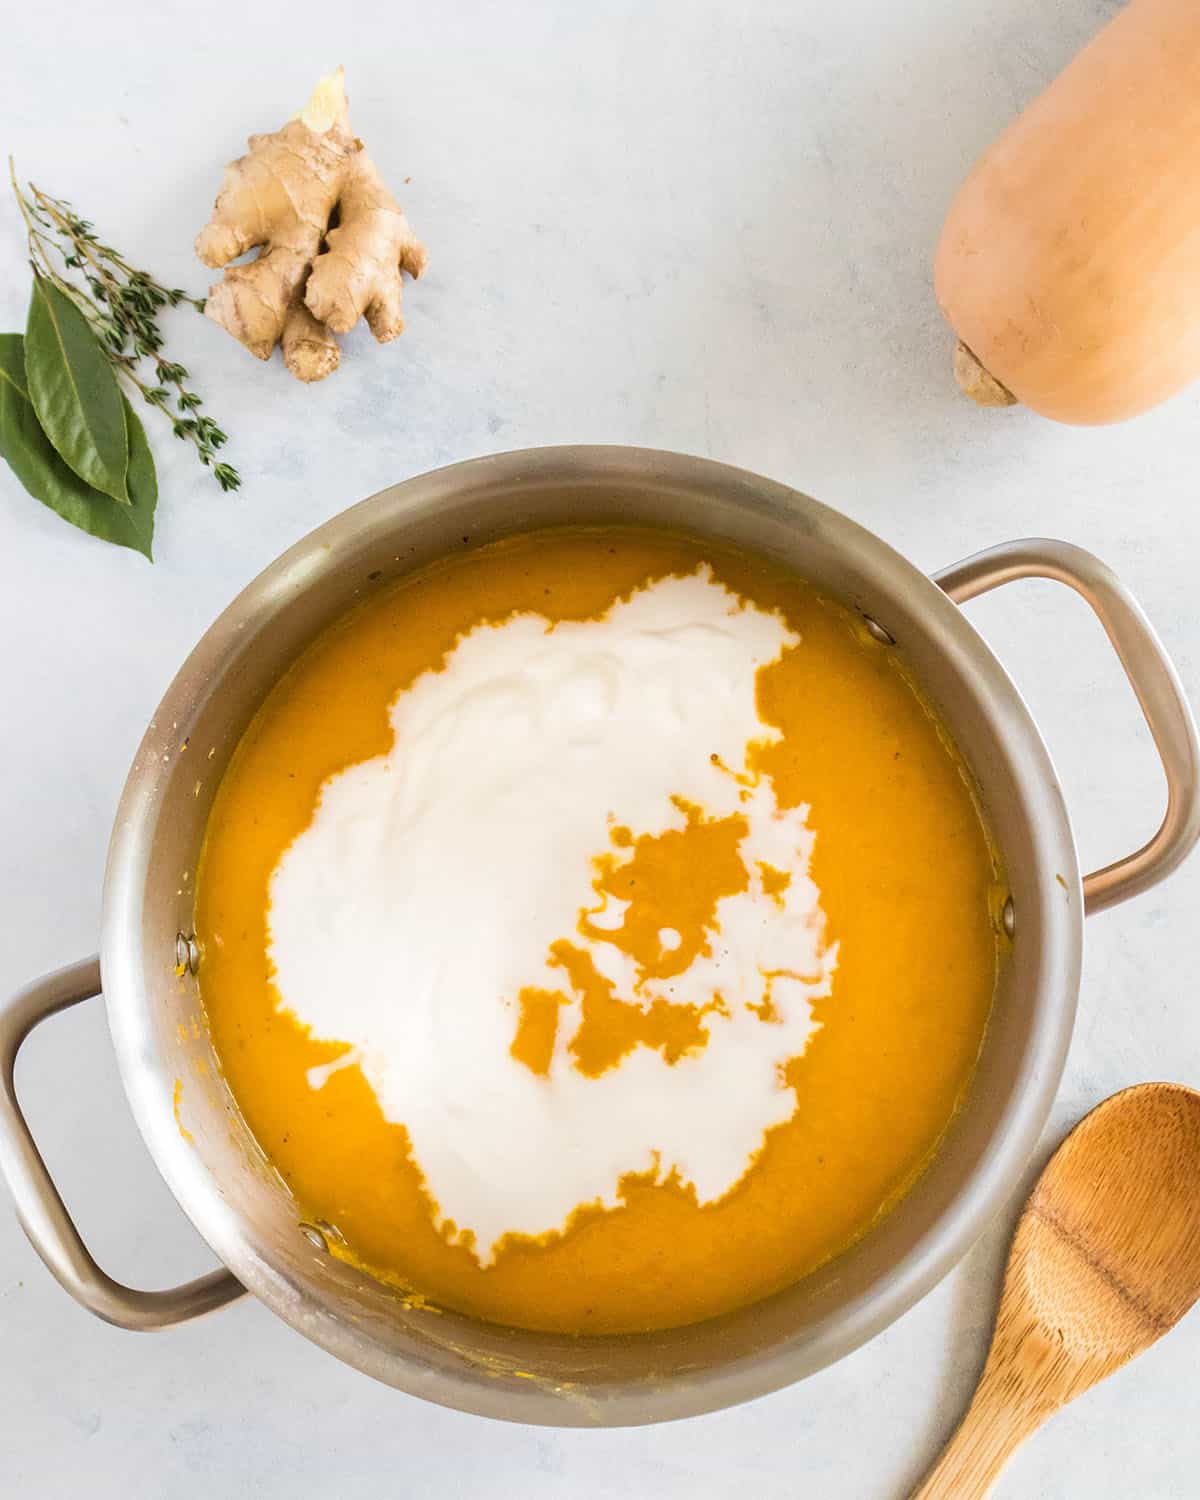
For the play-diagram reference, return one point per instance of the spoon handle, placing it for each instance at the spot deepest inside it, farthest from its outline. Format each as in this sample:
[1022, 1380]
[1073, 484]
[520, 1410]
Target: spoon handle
[990, 1433]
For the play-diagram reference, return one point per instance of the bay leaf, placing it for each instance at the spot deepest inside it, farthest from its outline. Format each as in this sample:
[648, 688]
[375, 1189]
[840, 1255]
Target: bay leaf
[75, 392]
[142, 476]
[32, 458]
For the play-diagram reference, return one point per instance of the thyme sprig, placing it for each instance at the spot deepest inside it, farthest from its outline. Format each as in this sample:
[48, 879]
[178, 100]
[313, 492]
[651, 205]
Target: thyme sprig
[122, 304]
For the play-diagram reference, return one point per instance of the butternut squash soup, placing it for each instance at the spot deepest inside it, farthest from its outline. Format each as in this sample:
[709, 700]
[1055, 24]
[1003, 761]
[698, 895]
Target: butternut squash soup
[597, 930]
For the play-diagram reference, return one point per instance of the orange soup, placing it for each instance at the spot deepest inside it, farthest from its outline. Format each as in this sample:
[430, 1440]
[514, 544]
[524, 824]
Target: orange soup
[598, 930]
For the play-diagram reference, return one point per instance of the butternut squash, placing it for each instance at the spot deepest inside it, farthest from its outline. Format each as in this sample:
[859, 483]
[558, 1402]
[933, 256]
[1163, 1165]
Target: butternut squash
[1069, 264]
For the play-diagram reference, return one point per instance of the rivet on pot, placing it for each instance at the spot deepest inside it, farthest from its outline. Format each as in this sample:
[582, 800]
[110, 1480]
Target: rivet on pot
[884, 637]
[1009, 918]
[187, 952]
[313, 1235]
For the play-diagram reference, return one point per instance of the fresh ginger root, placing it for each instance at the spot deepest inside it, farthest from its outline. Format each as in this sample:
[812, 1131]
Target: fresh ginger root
[310, 351]
[333, 240]
[360, 271]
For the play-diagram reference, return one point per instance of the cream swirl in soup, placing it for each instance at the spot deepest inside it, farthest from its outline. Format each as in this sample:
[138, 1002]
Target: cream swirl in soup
[464, 913]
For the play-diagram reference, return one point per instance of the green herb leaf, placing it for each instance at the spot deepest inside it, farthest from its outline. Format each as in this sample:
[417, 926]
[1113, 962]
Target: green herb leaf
[74, 391]
[121, 305]
[143, 480]
[33, 460]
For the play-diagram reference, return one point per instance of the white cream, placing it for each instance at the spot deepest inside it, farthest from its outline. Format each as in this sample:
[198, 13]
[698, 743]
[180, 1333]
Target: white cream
[426, 892]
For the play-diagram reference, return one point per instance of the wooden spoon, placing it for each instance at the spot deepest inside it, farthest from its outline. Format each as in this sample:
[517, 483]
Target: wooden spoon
[1106, 1259]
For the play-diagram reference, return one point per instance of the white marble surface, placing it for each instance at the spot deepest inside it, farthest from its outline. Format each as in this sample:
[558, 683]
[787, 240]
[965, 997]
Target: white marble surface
[672, 222]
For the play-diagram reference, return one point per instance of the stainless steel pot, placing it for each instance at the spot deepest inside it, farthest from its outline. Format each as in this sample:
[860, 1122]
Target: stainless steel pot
[231, 1193]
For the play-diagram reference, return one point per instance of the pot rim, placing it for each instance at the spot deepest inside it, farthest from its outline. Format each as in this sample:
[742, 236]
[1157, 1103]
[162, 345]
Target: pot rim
[997, 1173]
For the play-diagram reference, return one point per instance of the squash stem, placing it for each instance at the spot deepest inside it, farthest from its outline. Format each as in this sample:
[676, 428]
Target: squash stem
[977, 382]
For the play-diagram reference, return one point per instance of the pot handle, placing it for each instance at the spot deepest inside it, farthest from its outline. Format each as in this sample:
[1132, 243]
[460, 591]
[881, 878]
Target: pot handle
[1151, 675]
[42, 1212]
